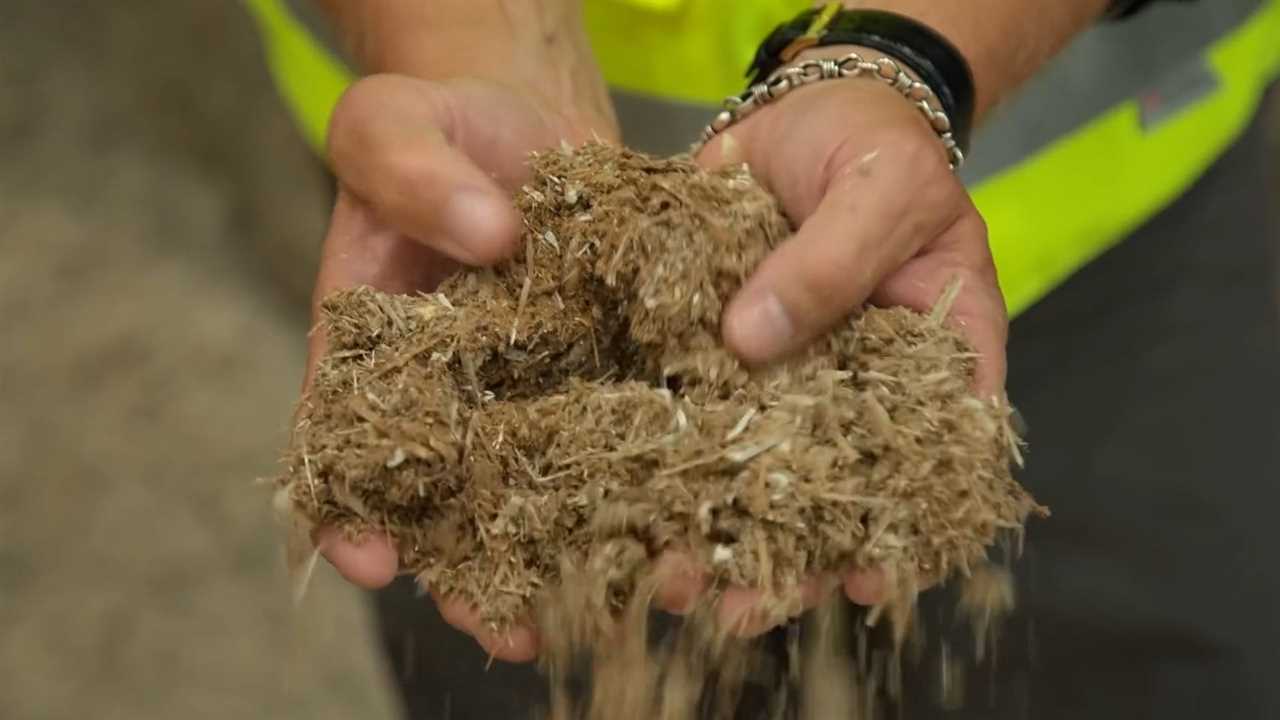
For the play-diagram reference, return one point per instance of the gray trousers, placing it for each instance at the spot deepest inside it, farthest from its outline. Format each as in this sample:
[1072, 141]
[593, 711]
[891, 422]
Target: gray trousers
[1151, 385]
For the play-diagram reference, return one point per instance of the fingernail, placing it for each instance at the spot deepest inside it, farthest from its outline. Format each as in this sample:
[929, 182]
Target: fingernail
[760, 328]
[473, 221]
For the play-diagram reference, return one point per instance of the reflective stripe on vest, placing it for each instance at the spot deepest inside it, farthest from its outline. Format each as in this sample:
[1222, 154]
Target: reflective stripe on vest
[309, 77]
[1056, 189]
[1052, 213]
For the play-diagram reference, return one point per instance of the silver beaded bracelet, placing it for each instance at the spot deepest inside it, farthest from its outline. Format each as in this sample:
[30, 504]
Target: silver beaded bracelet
[738, 107]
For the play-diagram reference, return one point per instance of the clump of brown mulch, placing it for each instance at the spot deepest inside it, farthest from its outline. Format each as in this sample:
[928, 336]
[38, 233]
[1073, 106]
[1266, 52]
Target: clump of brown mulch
[573, 408]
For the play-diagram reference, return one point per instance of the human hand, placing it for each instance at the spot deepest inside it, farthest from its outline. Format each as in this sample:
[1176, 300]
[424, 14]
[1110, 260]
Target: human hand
[882, 219]
[426, 173]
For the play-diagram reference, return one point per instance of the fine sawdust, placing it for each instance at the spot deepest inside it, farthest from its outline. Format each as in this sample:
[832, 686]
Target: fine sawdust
[570, 414]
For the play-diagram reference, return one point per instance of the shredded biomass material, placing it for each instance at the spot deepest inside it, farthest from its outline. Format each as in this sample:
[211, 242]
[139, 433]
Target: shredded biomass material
[573, 409]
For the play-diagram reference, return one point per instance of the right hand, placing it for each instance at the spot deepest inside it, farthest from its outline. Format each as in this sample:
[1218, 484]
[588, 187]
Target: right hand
[426, 172]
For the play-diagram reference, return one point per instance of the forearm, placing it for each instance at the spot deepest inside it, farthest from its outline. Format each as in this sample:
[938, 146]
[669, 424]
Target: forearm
[539, 46]
[1004, 41]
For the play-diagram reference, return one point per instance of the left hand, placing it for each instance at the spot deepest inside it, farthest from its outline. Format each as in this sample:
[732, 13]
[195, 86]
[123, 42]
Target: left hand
[882, 219]
[426, 172]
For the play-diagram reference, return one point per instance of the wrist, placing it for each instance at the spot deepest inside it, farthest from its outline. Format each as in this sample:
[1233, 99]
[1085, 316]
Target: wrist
[835, 52]
[890, 90]
[917, 61]
[1004, 42]
[537, 48]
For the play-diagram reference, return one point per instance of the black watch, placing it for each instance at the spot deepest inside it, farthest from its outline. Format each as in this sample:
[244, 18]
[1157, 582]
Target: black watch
[1125, 8]
[938, 63]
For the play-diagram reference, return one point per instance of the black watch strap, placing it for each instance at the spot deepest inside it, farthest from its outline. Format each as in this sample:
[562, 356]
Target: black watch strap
[1125, 8]
[938, 63]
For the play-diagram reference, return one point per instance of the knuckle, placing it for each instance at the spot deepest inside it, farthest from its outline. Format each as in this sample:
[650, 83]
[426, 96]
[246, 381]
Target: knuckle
[366, 135]
[355, 110]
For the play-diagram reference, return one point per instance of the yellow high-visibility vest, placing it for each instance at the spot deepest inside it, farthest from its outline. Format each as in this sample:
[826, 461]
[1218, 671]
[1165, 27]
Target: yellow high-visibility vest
[1058, 202]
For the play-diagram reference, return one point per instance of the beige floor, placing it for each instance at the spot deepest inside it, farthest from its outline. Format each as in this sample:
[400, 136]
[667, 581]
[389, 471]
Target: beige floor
[158, 221]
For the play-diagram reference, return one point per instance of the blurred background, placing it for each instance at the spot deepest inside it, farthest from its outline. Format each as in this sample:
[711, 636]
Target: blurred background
[159, 226]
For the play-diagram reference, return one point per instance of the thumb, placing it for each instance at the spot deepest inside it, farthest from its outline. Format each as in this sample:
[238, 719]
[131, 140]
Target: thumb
[413, 151]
